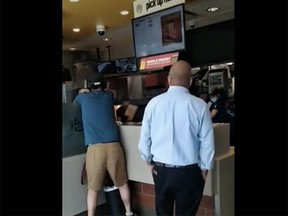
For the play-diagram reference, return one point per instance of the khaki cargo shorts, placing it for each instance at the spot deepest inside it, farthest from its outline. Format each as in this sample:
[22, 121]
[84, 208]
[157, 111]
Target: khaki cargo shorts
[103, 157]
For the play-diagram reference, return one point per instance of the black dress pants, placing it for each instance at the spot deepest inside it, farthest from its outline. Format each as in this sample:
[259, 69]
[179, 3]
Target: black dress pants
[183, 185]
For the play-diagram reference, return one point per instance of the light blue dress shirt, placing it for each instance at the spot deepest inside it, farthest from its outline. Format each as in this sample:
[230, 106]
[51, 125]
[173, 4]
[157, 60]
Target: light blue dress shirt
[177, 129]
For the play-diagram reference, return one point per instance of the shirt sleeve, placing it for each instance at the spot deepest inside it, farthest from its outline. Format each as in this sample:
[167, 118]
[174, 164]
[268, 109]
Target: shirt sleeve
[206, 137]
[76, 99]
[145, 142]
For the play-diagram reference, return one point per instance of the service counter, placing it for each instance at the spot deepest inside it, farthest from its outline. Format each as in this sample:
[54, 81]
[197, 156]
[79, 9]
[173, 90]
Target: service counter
[219, 183]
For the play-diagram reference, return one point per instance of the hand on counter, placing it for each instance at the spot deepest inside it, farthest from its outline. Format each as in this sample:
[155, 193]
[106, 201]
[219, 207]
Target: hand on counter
[119, 123]
[83, 91]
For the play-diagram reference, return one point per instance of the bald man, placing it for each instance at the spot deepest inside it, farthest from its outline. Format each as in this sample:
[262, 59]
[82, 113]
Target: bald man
[177, 142]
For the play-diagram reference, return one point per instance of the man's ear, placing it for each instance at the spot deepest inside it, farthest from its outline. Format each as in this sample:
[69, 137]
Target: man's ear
[169, 80]
[191, 81]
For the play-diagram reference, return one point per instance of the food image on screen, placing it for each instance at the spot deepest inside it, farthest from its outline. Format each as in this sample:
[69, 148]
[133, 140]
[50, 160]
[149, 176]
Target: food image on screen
[171, 28]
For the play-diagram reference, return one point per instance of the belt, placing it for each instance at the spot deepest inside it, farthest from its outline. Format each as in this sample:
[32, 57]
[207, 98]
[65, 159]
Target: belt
[159, 164]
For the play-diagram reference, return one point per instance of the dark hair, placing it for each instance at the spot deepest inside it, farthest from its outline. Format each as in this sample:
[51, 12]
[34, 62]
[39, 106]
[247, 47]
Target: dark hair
[223, 96]
[217, 91]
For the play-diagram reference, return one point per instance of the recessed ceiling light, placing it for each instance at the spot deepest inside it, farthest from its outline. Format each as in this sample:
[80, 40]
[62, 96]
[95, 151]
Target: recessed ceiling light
[72, 48]
[212, 9]
[124, 12]
[106, 39]
[76, 29]
[74, 0]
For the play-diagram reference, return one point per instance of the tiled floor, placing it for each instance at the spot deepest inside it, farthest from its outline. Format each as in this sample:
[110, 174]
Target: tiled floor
[103, 211]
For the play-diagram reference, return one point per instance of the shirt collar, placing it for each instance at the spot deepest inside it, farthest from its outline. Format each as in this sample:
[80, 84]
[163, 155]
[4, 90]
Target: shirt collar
[178, 89]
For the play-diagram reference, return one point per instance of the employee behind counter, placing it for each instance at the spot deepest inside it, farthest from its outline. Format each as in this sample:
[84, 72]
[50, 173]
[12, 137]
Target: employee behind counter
[219, 110]
[217, 102]
[218, 106]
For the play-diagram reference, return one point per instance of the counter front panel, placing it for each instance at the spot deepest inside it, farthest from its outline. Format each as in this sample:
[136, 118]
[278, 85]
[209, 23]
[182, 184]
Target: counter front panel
[72, 130]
